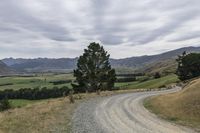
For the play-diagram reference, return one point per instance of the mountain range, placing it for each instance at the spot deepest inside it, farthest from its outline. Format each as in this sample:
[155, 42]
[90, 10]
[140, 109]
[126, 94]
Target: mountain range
[164, 62]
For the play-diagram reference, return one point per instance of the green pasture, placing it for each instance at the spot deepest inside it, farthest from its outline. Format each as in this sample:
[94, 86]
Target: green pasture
[38, 80]
[151, 83]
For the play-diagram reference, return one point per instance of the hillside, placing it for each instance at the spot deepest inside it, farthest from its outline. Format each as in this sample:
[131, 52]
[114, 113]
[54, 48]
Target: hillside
[145, 60]
[41, 64]
[186, 111]
[164, 61]
[4, 69]
[165, 67]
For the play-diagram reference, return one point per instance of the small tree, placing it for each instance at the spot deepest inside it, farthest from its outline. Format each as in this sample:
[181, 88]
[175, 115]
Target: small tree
[157, 75]
[4, 104]
[94, 72]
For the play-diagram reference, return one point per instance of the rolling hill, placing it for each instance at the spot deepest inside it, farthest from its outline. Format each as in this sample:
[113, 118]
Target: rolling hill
[149, 64]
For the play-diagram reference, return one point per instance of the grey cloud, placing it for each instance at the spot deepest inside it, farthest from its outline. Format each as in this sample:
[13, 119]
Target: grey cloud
[112, 22]
[186, 36]
[111, 39]
[14, 13]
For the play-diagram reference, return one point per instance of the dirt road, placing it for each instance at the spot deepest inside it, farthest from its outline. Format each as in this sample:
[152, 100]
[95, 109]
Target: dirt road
[122, 113]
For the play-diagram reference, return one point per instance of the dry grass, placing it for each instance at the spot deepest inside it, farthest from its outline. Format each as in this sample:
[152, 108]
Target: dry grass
[182, 107]
[46, 116]
[49, 116]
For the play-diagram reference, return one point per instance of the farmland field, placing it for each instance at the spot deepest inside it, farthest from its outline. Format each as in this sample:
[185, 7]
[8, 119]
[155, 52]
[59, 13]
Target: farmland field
[46, 80]
[37, 80]
[150, 83]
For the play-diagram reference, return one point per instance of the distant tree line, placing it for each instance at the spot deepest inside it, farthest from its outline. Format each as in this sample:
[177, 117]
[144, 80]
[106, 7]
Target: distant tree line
[188, 66]
[130, 75]
[34, 94]
[126, 79]
[60, 82]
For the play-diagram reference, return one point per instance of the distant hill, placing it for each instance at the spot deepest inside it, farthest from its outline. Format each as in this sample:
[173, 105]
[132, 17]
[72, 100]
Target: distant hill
[41, 64]
[140, 61]
[163, 62]
[5, 70]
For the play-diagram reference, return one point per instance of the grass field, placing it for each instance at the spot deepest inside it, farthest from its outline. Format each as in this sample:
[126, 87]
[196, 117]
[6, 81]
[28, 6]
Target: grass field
[43, 80]
[18, 103]
[53, 115]
[182, 107]
[39, 80]
[152, 83]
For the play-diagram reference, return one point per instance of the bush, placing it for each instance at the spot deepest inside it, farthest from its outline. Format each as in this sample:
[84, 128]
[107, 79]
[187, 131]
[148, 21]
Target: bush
[157, 75]
[6, 84]
[34, 94]
[60, 82]
[127, 79]
[162, 86]
[4, 104]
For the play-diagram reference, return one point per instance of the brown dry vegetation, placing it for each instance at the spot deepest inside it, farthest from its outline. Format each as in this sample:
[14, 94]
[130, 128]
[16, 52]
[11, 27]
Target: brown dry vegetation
[182, 107]
[53, 115]
[48, 116]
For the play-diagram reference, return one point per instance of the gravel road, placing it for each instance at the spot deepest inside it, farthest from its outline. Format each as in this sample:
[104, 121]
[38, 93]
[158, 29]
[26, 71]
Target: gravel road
[123, 113]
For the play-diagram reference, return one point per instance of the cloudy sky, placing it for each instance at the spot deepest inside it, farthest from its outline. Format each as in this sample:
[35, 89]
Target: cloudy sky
[63, 28]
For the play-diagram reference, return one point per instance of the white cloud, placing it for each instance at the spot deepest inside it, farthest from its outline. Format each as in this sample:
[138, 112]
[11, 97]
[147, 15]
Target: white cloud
[60, 28]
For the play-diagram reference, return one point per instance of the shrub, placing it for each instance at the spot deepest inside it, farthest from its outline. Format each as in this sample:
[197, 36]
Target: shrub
[157, 75]
[127, 79]
[4, 104]
[34, 94]
[60, 82]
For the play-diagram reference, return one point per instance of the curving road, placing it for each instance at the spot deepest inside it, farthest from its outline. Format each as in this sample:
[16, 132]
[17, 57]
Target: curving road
[122, 113]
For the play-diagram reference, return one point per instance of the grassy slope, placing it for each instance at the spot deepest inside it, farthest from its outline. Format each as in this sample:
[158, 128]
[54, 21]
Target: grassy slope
[41, 117]
[164, 67]
[153, 83]
[15, 103]
[182, 107]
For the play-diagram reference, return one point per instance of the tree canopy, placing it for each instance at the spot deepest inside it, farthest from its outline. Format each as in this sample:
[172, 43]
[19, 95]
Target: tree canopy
[94, 71]
[188, 66]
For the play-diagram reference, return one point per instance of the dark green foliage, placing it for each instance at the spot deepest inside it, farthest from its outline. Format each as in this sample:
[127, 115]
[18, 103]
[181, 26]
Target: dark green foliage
[126, 79]
[157, 75]
[34, 94]
[60, 82]
[94, 71]
[4, 104]
[130, 75]
[6, 84]
[188, 66]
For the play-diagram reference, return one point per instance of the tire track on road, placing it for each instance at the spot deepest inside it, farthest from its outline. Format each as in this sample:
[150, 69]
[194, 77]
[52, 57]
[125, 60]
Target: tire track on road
[123, 113]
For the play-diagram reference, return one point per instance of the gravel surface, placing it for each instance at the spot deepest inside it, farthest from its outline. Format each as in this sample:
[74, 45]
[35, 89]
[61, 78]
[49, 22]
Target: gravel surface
[122, 113]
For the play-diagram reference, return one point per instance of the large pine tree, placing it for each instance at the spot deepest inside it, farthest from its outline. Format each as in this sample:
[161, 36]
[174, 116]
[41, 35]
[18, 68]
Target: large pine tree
[94, 72]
